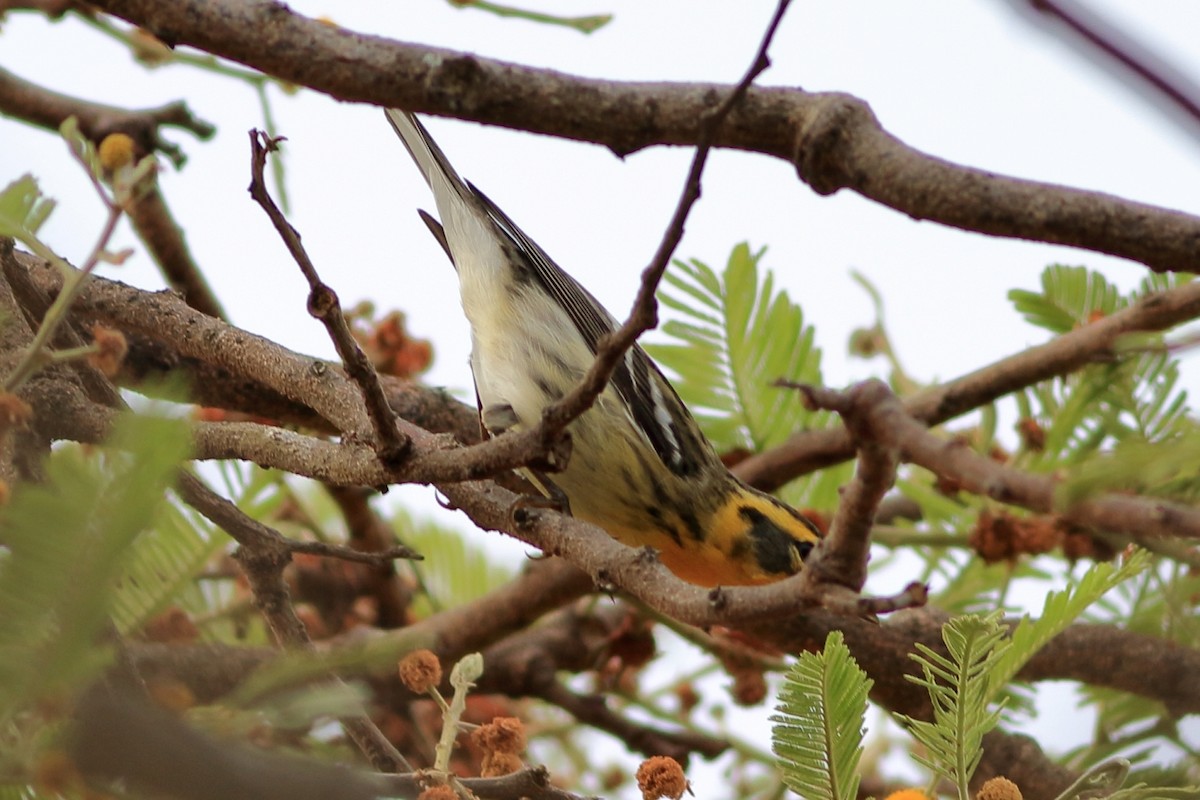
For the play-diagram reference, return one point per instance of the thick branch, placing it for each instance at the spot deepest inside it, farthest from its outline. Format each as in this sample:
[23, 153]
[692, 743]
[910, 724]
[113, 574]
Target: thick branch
[834, 140]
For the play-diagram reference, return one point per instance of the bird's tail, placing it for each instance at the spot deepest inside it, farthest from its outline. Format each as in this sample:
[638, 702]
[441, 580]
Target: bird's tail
[430, 159]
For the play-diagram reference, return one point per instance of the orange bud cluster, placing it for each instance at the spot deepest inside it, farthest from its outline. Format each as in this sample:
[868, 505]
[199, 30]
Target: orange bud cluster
[661, 776]
[502, 741]
[420, 671]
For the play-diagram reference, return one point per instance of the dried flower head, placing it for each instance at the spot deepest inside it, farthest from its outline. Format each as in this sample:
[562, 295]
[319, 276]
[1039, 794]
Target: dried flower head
[661, 776]
[749, 687]
[439, 792]
[497, 765]
[111, 348]
[420, 671]
[998, 788]
[501, 735]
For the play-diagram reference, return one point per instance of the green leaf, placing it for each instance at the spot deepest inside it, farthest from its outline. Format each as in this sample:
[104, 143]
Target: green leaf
[958, 688]
[23, 209]
[68, 539]
[1059, 610]
[818, 730]
[1137, 396]
[734, 337]
[162, 566]
[738, 336]
[1070, 297]
[1170, 468]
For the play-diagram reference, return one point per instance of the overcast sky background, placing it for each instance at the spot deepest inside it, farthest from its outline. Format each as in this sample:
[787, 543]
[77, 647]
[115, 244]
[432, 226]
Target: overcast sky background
[970, 82]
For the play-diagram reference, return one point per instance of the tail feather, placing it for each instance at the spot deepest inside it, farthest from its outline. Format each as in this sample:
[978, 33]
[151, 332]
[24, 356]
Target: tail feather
[430, 159]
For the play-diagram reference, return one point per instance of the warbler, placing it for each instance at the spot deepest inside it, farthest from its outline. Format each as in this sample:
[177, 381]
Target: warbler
[639, 467]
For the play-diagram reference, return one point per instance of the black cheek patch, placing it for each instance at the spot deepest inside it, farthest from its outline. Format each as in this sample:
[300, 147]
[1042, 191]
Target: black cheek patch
[774, 550]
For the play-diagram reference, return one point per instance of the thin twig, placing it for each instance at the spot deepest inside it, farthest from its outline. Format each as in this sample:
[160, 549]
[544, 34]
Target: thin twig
[375, 558]
[840, 559]
[392, 446]
[644, 314]
[1117, 47]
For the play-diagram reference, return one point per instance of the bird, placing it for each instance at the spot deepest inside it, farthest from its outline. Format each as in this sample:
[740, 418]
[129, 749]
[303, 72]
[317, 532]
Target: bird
[640, 468]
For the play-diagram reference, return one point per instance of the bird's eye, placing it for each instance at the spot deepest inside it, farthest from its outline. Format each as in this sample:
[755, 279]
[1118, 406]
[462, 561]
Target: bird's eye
[803, 548]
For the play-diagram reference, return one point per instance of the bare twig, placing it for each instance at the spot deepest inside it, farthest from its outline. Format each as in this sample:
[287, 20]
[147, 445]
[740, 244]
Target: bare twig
[376, 558]
[645, 739]
[392, 446]
[1110, 45]
[841, 557]
[644, 314]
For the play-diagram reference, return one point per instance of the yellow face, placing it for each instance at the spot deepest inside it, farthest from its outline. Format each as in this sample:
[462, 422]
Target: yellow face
[750, 539]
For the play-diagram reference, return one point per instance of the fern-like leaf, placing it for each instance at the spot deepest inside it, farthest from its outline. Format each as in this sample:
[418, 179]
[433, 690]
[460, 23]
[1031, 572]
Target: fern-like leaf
[1069, 296]
[163, 564]
[68, 539]
[1059, 610]
[738, 334]
[818, 730]
[733, 337]
[958, 687]
[1136, 397]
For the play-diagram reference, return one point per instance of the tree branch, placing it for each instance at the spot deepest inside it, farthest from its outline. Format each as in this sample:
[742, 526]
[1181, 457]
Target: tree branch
[39, 106]
[1090, 344]
[391, 445]
[834, 140]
